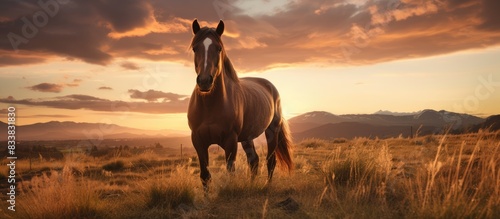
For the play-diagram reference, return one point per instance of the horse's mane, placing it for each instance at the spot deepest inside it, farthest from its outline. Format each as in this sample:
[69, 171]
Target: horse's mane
[204, 33]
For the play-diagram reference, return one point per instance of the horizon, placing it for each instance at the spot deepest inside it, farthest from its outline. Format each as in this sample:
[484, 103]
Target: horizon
[134, 68]
[392, 113]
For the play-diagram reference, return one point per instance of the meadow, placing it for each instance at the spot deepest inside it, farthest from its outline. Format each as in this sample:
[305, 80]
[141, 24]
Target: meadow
[435, 176]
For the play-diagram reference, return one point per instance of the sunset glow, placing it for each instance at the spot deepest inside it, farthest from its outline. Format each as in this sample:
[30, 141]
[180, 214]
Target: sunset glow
[87, 62]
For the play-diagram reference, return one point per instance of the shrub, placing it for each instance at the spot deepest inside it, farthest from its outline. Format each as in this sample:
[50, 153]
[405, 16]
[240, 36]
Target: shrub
[114, 166]
[339, 140]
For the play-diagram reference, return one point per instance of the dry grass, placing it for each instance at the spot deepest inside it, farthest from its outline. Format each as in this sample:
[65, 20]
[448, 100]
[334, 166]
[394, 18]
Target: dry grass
[59, 195]
[172, 191]
[458, 186]
[454, 176]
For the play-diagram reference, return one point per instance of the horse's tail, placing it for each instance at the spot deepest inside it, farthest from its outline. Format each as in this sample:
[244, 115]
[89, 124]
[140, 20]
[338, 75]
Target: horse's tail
[284, 149]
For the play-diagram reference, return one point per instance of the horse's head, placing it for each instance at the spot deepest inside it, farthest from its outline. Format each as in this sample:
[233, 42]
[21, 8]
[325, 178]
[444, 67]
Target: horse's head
[208, 54]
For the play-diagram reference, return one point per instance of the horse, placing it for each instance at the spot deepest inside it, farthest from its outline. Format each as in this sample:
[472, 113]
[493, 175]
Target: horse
[225, 109]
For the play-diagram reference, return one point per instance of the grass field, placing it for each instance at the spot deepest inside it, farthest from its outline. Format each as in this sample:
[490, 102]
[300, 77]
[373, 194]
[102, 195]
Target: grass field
[452, 176]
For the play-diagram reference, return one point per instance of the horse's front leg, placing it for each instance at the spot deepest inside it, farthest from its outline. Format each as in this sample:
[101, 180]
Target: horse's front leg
[202, 151]
[230, 146]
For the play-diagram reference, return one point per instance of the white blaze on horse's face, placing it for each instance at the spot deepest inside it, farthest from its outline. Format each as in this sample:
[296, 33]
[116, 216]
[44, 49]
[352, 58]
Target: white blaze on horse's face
[208, 72]
[207, 42]
[208, 68]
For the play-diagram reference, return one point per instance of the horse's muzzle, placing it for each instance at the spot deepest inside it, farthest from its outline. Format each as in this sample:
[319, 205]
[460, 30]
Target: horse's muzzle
[204, 82]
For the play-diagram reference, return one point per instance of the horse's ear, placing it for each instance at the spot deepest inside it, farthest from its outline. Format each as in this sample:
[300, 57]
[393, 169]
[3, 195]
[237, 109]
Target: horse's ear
[196, 26]
[220, 28]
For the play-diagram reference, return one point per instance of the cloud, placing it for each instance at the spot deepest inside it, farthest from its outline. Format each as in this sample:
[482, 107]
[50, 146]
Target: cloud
[8, 59]
[490, 15]
[130, 66]
[301, 31]
[81, 97]
[47, 87]
[77, 101]
[105, 88]
[46, 116]
[76, 30]
[155, 96]
[54, 88]
[398, 11]
[131, 14]
[74, 83]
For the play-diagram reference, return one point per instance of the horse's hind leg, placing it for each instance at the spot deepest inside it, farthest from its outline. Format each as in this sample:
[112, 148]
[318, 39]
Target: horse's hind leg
[272, 143]
[252, 157]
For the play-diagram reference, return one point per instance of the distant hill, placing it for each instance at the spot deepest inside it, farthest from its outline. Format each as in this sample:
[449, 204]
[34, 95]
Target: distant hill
[387, 112]
[354, 129]
[3, 125]
[491, 123]
[71, 130]
[313, 119]
[318, 124]
[322, 124]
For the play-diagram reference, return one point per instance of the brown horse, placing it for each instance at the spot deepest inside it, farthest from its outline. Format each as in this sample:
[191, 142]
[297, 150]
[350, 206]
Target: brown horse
[225, 109]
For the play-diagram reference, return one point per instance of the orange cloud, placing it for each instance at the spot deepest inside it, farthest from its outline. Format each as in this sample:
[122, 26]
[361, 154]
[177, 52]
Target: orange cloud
[155, 96]
[418, 9]
[75, 83]
[176, 25]
[343, 32]
[77, 101]
[105, 88]
[47, 87]
[130, 66]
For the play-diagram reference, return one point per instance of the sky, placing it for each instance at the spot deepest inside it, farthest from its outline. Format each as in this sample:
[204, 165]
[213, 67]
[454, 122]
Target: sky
[128, 62]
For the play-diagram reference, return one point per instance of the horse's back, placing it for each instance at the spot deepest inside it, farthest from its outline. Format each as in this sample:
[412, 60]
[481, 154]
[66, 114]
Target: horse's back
[259, 106]
[258, 91]
[259, 83]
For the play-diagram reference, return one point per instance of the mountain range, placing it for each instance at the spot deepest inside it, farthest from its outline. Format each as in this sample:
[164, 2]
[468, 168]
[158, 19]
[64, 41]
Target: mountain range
[383, 124]
[317, 124]
[55, 130]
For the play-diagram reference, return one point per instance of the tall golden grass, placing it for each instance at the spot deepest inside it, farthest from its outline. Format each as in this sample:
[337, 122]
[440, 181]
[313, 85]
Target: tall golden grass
[450, 176]
[58, 194]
